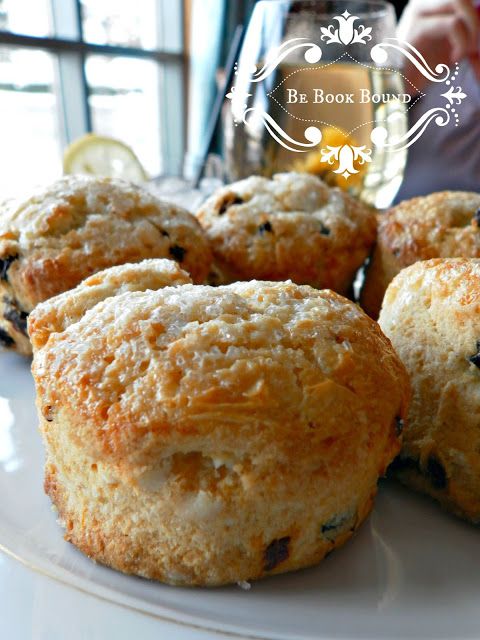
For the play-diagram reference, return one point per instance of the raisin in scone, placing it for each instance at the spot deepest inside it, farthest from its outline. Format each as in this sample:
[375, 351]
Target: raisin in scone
[440, 225]
[431, 313]
[76, 227]
[291, 227]
[203, 436]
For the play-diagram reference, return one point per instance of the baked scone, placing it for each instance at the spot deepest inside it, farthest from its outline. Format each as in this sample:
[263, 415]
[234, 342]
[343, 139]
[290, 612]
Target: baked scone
[78, 226]
[291, 227]
[70, 306]
[440, 225]
[431, 313]
[203, 436]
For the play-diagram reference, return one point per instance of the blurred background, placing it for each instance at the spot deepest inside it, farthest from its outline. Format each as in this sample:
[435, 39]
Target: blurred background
[137, 71]
[145, 72]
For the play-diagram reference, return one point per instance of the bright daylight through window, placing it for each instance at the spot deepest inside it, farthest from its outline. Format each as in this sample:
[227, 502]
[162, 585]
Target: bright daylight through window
[72, 66]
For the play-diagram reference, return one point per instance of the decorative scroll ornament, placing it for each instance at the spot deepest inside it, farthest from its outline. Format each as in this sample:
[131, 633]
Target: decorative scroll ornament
[379, 55]
[312, 55]
[255, 117]
[454, 95]
[440, 115]
[346, 33]
[239, 98]
[347, 156]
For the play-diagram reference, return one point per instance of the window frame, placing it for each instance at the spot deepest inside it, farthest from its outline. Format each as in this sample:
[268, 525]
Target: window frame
[71, 50]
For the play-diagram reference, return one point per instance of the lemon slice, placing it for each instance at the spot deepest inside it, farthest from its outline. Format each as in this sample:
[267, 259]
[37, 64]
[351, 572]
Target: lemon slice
[103, 156]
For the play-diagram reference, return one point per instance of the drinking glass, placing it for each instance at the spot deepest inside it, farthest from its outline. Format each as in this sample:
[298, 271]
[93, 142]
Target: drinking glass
[307, 96]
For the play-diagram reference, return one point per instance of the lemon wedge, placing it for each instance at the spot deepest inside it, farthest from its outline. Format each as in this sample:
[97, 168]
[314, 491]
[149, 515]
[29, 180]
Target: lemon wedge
[103, 156]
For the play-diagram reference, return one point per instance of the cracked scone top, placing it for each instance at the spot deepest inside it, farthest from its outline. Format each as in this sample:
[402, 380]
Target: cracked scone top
[291, 227]
[431, 313]
[202, 436]
[78, 226]
[441, 225]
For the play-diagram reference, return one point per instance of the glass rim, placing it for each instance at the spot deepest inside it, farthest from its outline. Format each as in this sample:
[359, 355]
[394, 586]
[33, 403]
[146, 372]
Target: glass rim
[379, 7]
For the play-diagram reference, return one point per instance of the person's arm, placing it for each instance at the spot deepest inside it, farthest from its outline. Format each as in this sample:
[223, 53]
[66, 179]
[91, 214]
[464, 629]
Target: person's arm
[443, 31]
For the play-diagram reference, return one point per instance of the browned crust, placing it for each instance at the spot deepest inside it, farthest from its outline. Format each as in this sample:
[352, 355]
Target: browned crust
[204, 435]
[292, 227]
[440, 225]
[431, 313]
[81, 225]
[94, 402]
[159, 557]
[12, 322]
[59, 312]
[421, 484]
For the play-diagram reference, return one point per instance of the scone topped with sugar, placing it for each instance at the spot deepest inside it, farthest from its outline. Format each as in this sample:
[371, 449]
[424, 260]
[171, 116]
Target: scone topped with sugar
[67, 308]
[431, 313]
[293, 226]
[203, 436]
[441, 225]
[78, 226]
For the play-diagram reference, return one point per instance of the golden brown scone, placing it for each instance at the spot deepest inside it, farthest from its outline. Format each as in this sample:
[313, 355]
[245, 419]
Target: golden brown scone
[291, 227]
[70, 306]
[431, 312]
[202, 436]
[441, 225]
[78, 226]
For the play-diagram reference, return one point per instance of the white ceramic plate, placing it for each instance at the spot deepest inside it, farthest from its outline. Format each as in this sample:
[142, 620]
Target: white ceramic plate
[411, 572]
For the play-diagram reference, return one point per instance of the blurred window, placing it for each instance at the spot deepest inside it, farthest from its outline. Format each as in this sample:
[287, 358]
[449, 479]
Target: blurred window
[121, 22]
[29, 17]
[67, 67]
[124, 102]
[30, 151]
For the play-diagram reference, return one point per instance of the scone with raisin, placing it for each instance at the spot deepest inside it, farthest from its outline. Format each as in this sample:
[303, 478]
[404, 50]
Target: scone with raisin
[431, 313]
[76, 227]
[291, 227]
[440, 225]
[202, 436]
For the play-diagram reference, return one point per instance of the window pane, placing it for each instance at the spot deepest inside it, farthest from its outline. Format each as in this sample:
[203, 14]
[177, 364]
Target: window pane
[121, 22]
[30, 152]
[124, 100]
[29, 17]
